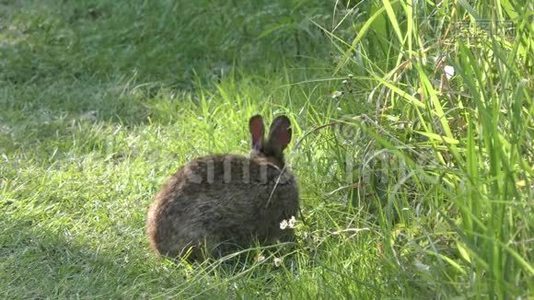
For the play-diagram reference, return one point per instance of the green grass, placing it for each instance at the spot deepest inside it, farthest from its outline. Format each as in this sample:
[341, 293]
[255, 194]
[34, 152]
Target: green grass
[413, 185]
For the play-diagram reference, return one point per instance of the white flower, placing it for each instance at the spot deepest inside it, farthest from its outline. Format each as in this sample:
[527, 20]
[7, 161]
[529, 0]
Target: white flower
[449, 71]
[337, 94]
[260, 258]
[421, 266]
[292, 222]
[277, 261]
[283, 224]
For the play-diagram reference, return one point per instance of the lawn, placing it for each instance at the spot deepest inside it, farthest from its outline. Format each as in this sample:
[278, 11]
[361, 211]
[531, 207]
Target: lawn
[413, 143]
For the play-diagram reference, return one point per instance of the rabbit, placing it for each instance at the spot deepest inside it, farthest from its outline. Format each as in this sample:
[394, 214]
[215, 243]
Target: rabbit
[215, 205]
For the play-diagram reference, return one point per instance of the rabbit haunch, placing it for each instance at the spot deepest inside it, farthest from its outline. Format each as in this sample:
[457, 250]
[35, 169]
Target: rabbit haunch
[217, 204]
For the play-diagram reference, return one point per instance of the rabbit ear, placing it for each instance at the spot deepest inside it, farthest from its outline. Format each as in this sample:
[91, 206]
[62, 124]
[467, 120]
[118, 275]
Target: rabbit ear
[280, 133]
[255, 125]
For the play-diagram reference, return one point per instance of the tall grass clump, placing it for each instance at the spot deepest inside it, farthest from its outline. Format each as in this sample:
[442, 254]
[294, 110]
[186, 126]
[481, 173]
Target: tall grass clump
[448, 125]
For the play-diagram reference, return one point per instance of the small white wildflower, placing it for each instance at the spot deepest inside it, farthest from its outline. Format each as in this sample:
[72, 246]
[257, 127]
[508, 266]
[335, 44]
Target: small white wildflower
[283, 224]
[337, 94]
[421, 266]
[345, 81]
[277, 262]
[260, 258]
[292, 222]
[449, 71]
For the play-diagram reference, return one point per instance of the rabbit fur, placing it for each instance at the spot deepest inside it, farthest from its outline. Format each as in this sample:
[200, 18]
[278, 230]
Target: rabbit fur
[221, 203]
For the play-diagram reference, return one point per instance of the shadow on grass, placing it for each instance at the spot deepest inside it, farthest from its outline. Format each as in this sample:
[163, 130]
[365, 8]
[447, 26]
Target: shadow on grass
[37, 263]
[129, 63]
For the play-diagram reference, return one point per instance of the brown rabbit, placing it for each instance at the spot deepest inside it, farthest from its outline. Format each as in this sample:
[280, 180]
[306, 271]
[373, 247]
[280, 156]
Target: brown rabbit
[217, 204]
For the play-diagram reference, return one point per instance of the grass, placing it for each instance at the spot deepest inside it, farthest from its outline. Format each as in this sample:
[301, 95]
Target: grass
[414, 185]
